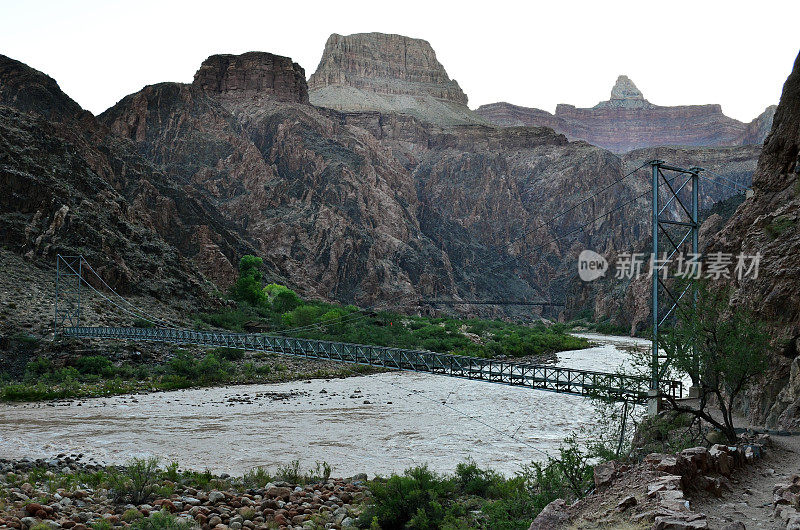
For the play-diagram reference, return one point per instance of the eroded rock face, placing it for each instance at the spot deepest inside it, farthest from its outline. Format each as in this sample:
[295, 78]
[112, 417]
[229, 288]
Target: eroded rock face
[259, 73]
[70, 185]
[387, 73]
[768, 223]
[758, 129]
[628, 121]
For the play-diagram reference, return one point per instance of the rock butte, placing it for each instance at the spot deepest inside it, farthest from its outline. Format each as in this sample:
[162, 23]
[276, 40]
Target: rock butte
[388, 73]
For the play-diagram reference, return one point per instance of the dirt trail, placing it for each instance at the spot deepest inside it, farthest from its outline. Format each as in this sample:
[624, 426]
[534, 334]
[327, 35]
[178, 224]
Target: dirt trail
[750, 501]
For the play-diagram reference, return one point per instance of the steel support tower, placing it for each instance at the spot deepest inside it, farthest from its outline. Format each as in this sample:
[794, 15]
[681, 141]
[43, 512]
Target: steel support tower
[67, 311]
[675, 227]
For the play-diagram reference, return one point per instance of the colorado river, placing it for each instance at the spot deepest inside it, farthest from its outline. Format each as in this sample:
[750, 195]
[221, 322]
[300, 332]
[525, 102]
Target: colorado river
[375, 424]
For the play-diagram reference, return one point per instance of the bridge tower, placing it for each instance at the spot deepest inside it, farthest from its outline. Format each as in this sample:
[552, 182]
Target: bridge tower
[675, 229]
[69, 277]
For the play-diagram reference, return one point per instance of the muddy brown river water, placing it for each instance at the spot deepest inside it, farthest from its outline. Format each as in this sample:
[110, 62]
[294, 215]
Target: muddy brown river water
[374, 424]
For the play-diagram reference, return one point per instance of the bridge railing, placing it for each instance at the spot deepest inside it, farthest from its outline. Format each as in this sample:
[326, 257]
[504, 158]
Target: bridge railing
[542, 377]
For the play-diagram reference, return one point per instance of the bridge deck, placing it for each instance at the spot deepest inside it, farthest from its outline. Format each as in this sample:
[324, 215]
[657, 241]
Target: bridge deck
[536, 376]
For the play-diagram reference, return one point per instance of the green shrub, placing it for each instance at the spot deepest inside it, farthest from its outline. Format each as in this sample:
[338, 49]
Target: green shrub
[38, 367]
[160, 521]
[416, 499]
[171, 472]
[301, 316]
[233, 320]
[131, 515]
[95, 365]
[142, 323]
[229, 354]
[136, 482]
[256, 478]
[780, 224]
[290, 472]
[320, 473]
[475, 481]
[282, 298]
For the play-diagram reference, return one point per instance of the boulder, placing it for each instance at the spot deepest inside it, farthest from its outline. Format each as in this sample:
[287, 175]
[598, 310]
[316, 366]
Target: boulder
[627, 502]
[699, 457]
[553, 517]
[604, 474]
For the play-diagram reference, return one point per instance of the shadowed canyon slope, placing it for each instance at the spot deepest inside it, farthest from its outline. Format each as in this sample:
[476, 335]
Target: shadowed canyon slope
[769, 223]
[70, 185]
[628, 121]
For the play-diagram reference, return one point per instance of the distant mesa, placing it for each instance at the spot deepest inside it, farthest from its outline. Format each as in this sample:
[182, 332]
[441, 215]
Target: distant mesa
[627, 121]
[388, 73]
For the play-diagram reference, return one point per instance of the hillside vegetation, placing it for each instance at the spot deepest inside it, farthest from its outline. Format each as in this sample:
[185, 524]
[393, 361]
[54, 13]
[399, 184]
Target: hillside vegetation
[277, 309]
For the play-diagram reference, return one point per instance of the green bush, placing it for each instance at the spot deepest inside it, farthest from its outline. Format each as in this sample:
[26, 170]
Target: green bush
[95, 365]
[290, 472]
[38, 367]
[282, 298]
[132, 514]
[160, 521]
[256, 478]
[301, 316]
[209, 369]
[475, 481]
[136, 482]
[233, 320]
[229, 354]
[418, 499]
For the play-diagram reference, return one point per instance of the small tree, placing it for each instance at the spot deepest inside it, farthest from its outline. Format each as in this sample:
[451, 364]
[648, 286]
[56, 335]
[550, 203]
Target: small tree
[248, 286]
[282, 298]
[722, 348]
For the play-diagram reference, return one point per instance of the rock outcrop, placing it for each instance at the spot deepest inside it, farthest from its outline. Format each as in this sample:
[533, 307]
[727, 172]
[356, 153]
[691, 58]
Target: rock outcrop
[253, 73]
[628, 121]
[387, 73]
[769, 223]
[758, 129]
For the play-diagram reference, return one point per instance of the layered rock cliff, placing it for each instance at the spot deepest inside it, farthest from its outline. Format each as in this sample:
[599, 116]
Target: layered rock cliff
[769, 223]
[387, 73]
[628, 121]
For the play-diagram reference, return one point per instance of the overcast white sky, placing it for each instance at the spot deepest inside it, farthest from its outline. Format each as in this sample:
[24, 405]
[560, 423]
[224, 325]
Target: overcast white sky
[530, 53]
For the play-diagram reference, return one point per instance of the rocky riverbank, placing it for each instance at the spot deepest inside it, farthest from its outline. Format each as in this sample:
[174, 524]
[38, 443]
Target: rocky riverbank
[69, 492]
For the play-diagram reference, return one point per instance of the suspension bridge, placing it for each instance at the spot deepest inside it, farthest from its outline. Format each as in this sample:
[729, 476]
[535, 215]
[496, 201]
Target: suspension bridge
[73, 285]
